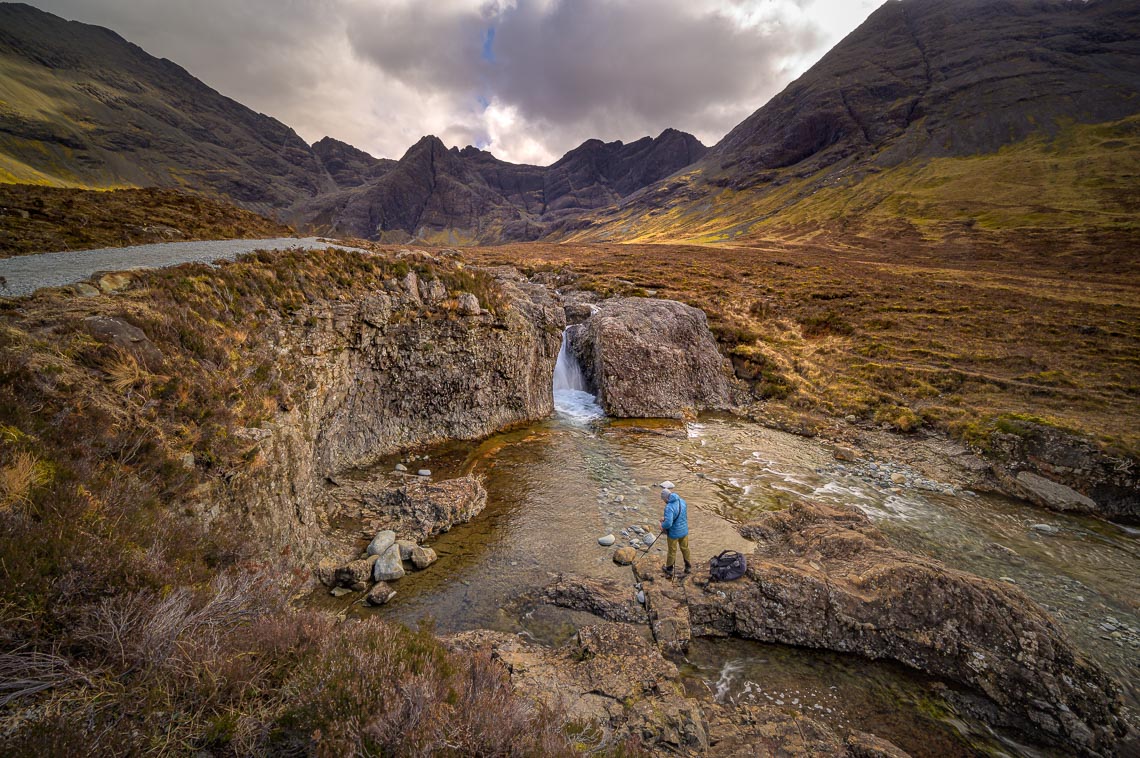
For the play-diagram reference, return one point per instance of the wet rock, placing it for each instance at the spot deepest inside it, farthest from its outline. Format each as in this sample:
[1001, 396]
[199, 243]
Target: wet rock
[651, 358]
[422, 557]
[388, 566]
[353, 572]
[1001, 551]
[825, 577]
[401, 467]
[606, 541]
[624, 556]
[844, 453]
[340, 591]
[604, 598]
[417, 507]
[424, 472]
[576, 313]
[1045, 528]
[381, 542]
[406, 547]
[380, 594]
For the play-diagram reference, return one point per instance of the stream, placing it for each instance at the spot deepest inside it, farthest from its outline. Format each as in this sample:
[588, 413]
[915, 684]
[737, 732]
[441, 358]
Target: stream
[557, 485]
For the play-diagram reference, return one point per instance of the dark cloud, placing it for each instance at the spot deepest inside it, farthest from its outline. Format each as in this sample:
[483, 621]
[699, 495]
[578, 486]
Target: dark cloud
[528, 78]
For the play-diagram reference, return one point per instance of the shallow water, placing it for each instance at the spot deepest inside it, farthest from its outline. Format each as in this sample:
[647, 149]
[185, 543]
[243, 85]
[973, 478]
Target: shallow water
[556, 486]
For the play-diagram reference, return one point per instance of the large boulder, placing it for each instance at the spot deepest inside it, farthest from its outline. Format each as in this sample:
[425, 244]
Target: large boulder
[825, 577]
[388, 567]
[651, 358]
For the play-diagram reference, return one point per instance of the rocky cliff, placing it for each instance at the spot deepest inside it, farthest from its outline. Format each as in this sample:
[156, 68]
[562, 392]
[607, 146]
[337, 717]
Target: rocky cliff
[394, 370]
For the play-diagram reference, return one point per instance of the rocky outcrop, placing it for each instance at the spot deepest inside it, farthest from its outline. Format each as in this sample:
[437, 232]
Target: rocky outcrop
[1062, 471]
[825, 577]
[391, 371]
[416, 508]
[651, 358]
[609, 674]
[606, 599]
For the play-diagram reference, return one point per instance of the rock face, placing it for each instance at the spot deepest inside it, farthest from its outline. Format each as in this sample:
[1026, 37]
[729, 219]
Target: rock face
[348, 166]
[1061, 471]
[825, 577]
[385, 373]
[651, 358]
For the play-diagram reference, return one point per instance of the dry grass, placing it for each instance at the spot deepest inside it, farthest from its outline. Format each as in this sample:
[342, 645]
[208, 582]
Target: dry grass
[19, 478]
[904, 333]
[36, 219]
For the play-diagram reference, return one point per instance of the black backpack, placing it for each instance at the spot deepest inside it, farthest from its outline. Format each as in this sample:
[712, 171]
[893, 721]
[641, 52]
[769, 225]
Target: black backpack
[727, 566]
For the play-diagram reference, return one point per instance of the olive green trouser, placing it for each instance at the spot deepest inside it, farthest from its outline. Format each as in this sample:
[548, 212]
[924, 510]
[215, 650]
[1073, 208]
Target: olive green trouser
[672, 555]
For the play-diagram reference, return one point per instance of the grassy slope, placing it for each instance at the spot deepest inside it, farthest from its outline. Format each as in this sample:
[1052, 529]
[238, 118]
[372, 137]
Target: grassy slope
[131, 628]
[38, 219]
[896, 332]
[1084, 179]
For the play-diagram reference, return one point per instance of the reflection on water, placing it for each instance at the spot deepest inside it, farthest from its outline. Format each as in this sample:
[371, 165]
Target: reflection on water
[557, 486]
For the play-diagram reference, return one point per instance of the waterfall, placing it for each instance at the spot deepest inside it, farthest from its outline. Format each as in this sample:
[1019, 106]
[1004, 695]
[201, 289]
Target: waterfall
[567, 372]
[572, 397]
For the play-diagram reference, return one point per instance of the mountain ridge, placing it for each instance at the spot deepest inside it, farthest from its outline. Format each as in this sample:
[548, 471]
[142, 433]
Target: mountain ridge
[919, 83]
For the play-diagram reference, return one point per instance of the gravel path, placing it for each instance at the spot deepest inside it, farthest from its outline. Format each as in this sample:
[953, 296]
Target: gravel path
[25, 274]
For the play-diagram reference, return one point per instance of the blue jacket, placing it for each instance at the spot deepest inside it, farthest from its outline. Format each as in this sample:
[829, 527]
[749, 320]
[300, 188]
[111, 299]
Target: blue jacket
[676, 521]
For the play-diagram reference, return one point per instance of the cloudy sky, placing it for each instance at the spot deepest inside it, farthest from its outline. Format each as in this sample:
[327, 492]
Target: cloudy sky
[526, 79]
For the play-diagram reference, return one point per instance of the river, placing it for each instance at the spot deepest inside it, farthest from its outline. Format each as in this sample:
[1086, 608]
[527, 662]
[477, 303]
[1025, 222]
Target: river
[558, 485]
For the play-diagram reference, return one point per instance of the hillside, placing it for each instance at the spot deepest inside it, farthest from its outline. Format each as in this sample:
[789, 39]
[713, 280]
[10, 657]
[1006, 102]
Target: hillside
[930, 119]
[84, 107]
[47, 219]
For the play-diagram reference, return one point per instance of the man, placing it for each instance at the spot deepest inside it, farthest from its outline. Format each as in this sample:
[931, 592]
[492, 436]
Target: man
[675, 523]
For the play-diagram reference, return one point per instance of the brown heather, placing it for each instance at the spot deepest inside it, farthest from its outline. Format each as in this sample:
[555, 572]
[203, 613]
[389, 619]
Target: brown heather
[36, 219]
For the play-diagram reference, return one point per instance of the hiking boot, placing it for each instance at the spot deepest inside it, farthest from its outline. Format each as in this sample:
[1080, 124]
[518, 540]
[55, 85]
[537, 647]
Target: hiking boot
[688, 569]
[667, 571]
